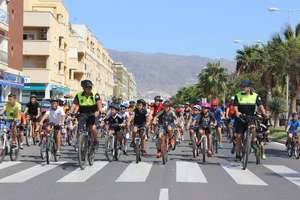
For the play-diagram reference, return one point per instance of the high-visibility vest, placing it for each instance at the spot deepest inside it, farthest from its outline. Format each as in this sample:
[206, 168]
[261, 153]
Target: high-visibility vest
[86, 101]
[243, 99]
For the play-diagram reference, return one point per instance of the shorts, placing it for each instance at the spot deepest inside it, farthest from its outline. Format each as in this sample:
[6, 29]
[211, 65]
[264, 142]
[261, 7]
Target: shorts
[86, 121]
[240, 127]
[33, 118]
[294, 134]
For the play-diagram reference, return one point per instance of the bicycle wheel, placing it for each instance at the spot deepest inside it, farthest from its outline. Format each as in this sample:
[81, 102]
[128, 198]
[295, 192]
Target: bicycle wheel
[14, 152]
[83, 150]
[297, 151]
[174, 138]
[43, 150]
[118, 149]
[194, 147]
[258, 154]
[109, 152]
[2, 148]
[289, 149]
[204, 147]
[91, 155]
[137, 153]
[164, 151]
[48, 149]
[247, 149]
[28, 138]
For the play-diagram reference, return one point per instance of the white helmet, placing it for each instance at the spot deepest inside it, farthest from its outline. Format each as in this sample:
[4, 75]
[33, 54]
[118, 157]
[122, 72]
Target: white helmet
[197, 107]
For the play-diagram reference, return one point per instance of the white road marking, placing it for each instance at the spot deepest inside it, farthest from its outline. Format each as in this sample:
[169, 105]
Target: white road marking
[287, 173]
[135, 172]
[243, 177]
[9, 164]
[189, 172]
[79, 175]
[164, 194]
[30, 173]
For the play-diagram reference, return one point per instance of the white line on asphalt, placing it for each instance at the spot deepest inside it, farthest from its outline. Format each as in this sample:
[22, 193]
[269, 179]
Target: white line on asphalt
[83, 175]
[164, 194]
[243, 177]
[135, 172]
[30, 173]
[8, 164]
[287, 173]
[189, 172]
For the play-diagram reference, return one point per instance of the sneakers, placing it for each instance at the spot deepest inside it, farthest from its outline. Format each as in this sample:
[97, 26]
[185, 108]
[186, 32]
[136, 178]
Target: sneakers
[58, 153]
[21, 146]
[263, 157]
[209, 153]
[238, 158]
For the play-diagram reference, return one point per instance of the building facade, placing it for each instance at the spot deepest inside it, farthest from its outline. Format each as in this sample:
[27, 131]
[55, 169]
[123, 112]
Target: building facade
[96, 60]
[11, 58]
[125, 85]
[46, 47]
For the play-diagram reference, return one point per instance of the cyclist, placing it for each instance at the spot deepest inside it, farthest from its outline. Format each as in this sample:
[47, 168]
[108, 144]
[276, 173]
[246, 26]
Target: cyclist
[230, 116]
[293, 128]
[56, 118]
[219, 115]
[167, 121]
[194, 124]
[33, 112]
[206, 120]
[139, 120]
[156, 108]
[12, 111]
[89, 106]
[246, 101]
[125, 115]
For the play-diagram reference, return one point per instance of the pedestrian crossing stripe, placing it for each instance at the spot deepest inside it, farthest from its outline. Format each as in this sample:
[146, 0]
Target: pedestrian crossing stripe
[186, 172]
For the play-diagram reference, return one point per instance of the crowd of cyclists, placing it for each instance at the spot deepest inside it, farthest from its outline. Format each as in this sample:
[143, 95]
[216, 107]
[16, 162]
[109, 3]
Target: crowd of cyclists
[243, 121]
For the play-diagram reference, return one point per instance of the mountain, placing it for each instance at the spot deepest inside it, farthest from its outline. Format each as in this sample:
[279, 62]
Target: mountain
[162, 73]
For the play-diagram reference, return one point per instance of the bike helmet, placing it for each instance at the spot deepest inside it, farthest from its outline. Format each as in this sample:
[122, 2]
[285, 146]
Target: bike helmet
[124, 105]
[206, 105]
[167, 103]
[86, 83]
[54, 99]
[158, 98]
[215, 102]
[246, 83]
[197, 107]
[115, 106]
[141, 101]
[33, 96]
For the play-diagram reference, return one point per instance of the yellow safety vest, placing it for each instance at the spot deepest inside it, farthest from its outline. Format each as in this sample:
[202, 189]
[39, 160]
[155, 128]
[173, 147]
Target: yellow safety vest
[86, 101]
[243, 99]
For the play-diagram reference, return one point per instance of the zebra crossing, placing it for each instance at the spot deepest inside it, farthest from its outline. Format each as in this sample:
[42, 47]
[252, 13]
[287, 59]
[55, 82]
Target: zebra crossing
[186, 172]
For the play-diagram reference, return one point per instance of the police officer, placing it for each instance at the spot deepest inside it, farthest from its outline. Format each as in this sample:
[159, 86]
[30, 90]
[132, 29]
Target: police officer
[246, 102]
[89, 106]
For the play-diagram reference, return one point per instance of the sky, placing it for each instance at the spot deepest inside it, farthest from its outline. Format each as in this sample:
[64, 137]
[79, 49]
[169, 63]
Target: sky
[184, 27]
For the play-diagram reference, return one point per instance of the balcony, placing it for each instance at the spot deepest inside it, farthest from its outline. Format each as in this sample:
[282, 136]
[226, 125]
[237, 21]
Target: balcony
[3, 20]
[38, 19]
[3, 57]
[37, 75]
[36, 47]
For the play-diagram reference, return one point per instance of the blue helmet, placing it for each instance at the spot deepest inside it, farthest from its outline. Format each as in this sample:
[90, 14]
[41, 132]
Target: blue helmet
[246, 83]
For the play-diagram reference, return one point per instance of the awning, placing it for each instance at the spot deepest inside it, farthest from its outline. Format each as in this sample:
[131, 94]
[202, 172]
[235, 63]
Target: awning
[12, 84]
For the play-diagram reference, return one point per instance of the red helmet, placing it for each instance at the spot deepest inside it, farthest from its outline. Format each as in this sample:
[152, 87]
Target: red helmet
[215, 102]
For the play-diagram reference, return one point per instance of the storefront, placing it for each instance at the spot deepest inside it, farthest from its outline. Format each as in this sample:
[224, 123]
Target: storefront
[10, 83]
[44, 91]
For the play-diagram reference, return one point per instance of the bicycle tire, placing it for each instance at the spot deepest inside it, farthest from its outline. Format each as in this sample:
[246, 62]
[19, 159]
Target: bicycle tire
[174, 137]
[138, 153]
[164, 151]
[14, 152]
[82, 151]
[258, 154]
[91, 154]
[2, 149]
[247, 150]
[28, 135]
[43, 151]
[289, 150]
[194, 147]
[109, 148]
[117, 149]
[297, 151]
[203, 148]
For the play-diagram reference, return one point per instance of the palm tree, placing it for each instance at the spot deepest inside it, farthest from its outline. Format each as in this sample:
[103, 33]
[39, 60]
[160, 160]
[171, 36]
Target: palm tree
[212, 80]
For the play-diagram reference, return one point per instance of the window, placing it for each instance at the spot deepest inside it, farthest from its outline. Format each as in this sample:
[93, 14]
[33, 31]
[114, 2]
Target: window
[43, 34]
[60, 41]
[60, 66]
[70, 74]
[28, 36]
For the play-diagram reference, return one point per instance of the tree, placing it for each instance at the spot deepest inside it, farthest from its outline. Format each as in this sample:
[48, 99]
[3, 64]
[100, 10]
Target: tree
[277, 106]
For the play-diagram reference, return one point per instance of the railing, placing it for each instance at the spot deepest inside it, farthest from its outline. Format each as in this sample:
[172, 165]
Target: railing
[3, 17]
[3, 56]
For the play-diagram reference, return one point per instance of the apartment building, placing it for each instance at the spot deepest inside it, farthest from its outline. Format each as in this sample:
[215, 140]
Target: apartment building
[46, 48]
[11, 59]
[96, 61]
[125, 85]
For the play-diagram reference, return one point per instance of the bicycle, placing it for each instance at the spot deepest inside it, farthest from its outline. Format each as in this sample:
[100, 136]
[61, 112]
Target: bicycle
[86, 147]
[48, 147]
[213, 131]
[293, 147]
[250, 121]
[138, 143]
[28, 133]
[199, 144]
[112, 145]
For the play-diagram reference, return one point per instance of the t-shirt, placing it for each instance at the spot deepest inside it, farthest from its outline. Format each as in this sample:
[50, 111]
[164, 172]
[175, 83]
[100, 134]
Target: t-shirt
[140, 117]
[231, 111]
[115, 120]
[12, 112]
[294, 125]
[217, 114]
[247, 109]
[55, 115]
[157, 109]
[33, 108]
[206, 119]
[166, 117]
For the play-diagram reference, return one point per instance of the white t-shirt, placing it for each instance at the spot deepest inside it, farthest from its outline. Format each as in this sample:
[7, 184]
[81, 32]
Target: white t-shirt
[55, 115]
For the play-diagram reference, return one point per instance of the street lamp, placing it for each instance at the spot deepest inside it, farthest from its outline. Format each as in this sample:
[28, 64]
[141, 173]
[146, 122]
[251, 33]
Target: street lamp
[288, 11]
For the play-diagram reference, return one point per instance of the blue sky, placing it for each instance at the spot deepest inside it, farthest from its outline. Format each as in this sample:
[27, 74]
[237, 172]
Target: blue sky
[184, 27]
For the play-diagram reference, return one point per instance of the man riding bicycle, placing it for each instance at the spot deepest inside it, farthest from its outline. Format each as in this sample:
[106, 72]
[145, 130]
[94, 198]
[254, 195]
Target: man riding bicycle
[56, 119]
[293, 129]
[32, 113]
[246, 101]
[167, 121]
[89, 106]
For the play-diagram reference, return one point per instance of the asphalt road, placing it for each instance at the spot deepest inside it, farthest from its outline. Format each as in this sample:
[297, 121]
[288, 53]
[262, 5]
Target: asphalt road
[183, 177]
